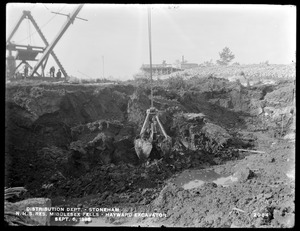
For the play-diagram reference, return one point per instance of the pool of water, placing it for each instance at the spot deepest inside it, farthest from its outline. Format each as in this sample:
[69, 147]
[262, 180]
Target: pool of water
[194, 178]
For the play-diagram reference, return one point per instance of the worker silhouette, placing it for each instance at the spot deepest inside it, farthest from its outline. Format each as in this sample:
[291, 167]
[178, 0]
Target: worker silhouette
[58, 74]
[52, 71]
[26, 70]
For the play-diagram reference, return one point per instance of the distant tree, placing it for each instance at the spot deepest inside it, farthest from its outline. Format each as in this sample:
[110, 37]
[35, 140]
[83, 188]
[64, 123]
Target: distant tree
[265, 63]
[208, 63]
[236, 64]
[226, 56]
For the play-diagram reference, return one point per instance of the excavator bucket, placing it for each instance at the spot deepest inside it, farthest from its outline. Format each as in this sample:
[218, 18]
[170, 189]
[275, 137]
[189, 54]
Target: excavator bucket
[143, 148]
[143, 144]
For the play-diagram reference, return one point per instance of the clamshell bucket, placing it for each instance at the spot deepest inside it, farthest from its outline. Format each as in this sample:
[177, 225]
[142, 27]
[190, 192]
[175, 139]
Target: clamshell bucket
[143, 144]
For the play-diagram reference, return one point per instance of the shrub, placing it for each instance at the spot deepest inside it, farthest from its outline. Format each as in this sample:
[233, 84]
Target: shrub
[176, 82]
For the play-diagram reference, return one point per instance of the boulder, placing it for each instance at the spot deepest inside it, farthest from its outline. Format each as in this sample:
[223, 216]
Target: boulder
[194, 117]
[186, 126]
[195, 132]
[78, 146]
[243, 174]
[216, 133]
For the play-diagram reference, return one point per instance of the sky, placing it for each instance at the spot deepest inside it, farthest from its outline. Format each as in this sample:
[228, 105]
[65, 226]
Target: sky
[114, 42]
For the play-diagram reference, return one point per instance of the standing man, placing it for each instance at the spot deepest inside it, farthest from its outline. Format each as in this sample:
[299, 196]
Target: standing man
[26, 70]
[52, 71]
[58, 74]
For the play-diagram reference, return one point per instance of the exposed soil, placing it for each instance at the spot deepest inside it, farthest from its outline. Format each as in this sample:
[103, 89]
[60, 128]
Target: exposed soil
[74, 145]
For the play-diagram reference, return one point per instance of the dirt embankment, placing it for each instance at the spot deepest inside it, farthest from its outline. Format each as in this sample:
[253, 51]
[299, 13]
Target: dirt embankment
[83, 125]
[40, 120]
[77, 140]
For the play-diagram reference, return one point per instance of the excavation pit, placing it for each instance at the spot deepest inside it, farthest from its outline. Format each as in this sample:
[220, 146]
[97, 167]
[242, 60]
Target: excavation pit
[81, 138]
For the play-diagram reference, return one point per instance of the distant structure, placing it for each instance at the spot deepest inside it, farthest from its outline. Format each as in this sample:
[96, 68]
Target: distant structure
[160, 69]
[165, 69]
[185, 65]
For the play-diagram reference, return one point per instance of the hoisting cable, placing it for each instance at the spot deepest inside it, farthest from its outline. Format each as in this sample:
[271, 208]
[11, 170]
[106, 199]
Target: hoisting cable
[143, 144]
[149, 31]
[29, 32]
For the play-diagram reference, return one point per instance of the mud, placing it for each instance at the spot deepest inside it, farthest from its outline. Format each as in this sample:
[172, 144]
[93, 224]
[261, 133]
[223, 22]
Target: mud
[74, 144]
[250, 203]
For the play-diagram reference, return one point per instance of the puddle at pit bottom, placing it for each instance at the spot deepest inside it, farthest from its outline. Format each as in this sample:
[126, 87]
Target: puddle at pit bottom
[195, 178]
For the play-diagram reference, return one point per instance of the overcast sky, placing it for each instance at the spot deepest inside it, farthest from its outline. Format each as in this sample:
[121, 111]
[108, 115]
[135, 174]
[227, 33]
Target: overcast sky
[119, 33]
